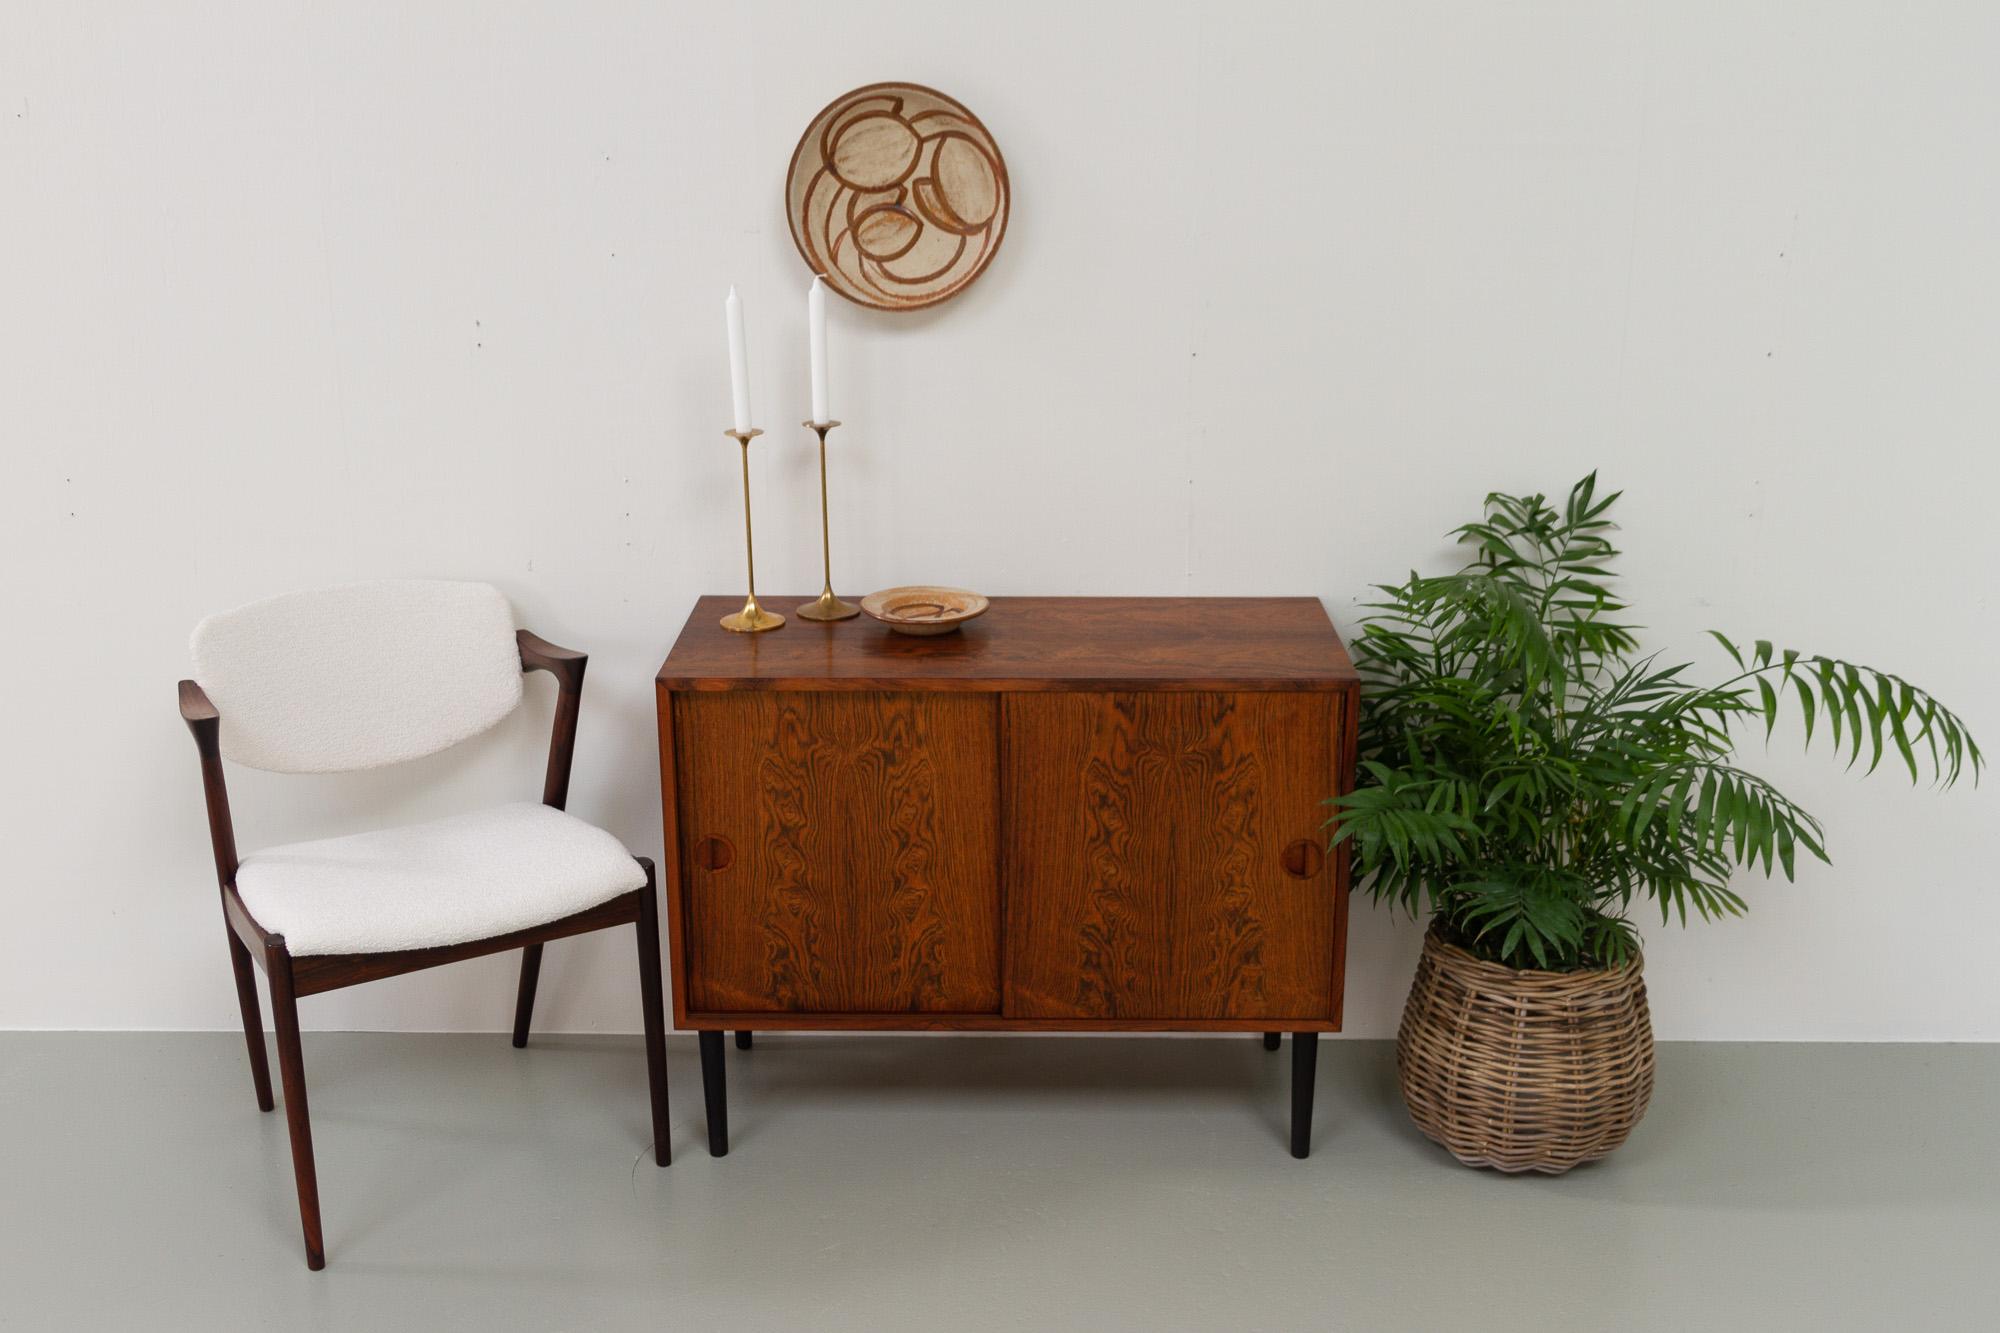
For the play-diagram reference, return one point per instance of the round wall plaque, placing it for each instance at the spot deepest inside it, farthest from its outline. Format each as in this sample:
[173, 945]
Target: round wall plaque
[897, 196]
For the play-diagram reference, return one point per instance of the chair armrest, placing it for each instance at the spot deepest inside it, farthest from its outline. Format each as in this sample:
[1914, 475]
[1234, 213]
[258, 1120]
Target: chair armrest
[197, 711]
[205, 723]
[566, 665]
[538, 654]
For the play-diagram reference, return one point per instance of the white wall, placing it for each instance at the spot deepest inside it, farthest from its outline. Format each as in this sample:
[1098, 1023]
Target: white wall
[293, 294]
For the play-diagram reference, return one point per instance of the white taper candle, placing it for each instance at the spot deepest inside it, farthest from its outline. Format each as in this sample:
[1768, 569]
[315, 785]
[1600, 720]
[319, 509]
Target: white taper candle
[739, 362]
[816, 332]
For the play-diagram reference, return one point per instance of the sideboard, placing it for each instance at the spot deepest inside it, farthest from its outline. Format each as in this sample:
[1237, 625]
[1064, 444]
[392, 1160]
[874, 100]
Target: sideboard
[1077, 814]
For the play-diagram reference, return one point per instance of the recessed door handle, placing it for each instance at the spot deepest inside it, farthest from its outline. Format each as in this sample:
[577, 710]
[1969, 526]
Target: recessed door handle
[1303, 859]
[714, 853]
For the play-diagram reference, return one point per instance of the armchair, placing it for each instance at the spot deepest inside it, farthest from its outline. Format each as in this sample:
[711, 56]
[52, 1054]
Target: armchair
[369, 675]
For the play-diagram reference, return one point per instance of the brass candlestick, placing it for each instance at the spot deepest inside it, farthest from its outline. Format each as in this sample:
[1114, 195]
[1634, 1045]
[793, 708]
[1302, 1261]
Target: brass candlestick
[826, 606]
[752, 619]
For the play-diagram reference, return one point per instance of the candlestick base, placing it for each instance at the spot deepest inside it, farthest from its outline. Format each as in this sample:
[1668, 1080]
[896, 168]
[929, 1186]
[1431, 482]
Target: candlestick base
[752, 619]
[828, 607]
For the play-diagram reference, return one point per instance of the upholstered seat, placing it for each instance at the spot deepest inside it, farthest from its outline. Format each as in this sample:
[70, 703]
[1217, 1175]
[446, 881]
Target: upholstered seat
[467, 877]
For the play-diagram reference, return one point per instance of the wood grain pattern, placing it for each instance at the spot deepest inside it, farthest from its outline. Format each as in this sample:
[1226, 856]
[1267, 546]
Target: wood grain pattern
[1346, 744]
[765, 1021]
[1146, 850]
[1031, 643]
[671, 862]
[864, 835]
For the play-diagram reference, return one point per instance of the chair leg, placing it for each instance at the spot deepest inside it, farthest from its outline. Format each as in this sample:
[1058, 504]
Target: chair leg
[1305, 1068]
[654, 1009]
[253, 1019]
[1271, 1040]
[292, 1070]
[524, 1001]
[715, 1094]
[743, 1041]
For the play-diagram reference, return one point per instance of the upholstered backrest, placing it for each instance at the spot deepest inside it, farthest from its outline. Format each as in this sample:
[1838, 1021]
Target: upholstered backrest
[358, 676]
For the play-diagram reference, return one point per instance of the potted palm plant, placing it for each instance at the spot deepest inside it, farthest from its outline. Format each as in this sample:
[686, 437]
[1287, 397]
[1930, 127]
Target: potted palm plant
[1526, 778]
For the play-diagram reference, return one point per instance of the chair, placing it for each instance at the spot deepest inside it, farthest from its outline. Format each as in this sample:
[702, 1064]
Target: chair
[365, 676]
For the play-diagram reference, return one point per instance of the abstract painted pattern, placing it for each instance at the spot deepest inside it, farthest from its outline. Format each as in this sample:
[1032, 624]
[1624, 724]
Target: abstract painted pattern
[897, 196]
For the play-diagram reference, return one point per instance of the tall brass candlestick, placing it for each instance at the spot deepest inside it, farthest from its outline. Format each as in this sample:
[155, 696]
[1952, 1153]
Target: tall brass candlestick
[752, 619]
[826, 606]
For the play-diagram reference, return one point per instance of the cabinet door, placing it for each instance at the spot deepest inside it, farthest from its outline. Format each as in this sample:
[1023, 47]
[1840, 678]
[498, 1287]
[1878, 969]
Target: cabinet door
[1164, 855]
[838, 851]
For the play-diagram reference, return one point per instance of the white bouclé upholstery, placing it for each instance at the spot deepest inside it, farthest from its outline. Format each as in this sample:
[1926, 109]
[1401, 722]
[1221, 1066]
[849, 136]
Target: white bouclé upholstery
[360, 676]
[467, 877]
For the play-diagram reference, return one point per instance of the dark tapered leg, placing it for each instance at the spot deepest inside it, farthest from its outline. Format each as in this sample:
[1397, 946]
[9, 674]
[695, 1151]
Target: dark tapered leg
[742, 1041]
[1271, 1040]
[292, 1070]
[253, 1020]
[1305, 1067]
[524, 1000]
[655, 1019]
[714, 1094]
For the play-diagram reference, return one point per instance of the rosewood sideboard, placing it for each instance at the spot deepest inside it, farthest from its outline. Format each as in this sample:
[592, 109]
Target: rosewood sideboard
[1074, 815]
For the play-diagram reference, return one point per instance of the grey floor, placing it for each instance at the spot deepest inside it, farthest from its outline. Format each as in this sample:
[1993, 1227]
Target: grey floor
[967, 1183]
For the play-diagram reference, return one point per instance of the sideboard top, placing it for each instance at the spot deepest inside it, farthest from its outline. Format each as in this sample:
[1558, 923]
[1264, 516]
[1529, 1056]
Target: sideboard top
[1026, 643]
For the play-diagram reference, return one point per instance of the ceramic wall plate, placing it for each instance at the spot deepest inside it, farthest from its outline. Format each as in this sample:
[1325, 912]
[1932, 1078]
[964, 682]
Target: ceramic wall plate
[897, 196]
[924, 609]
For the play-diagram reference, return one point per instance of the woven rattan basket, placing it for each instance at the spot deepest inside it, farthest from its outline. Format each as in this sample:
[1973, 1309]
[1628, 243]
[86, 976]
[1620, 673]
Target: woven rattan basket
[1524, 1071]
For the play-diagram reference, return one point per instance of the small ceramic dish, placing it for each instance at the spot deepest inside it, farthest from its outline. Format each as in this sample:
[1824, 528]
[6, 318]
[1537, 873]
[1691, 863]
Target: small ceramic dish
[924, 609]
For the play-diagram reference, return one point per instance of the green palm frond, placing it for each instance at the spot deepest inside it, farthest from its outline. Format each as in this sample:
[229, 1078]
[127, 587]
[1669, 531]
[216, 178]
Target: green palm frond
[1525, 777]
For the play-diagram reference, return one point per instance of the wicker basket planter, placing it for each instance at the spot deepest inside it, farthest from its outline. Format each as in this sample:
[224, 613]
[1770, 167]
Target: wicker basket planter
[1524, 1071]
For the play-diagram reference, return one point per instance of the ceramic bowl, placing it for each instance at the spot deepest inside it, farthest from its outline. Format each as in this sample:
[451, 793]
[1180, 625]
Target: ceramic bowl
[924, 609]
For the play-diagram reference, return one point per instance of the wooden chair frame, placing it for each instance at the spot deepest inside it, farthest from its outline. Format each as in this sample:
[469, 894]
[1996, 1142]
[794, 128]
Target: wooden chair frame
[291, 978]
